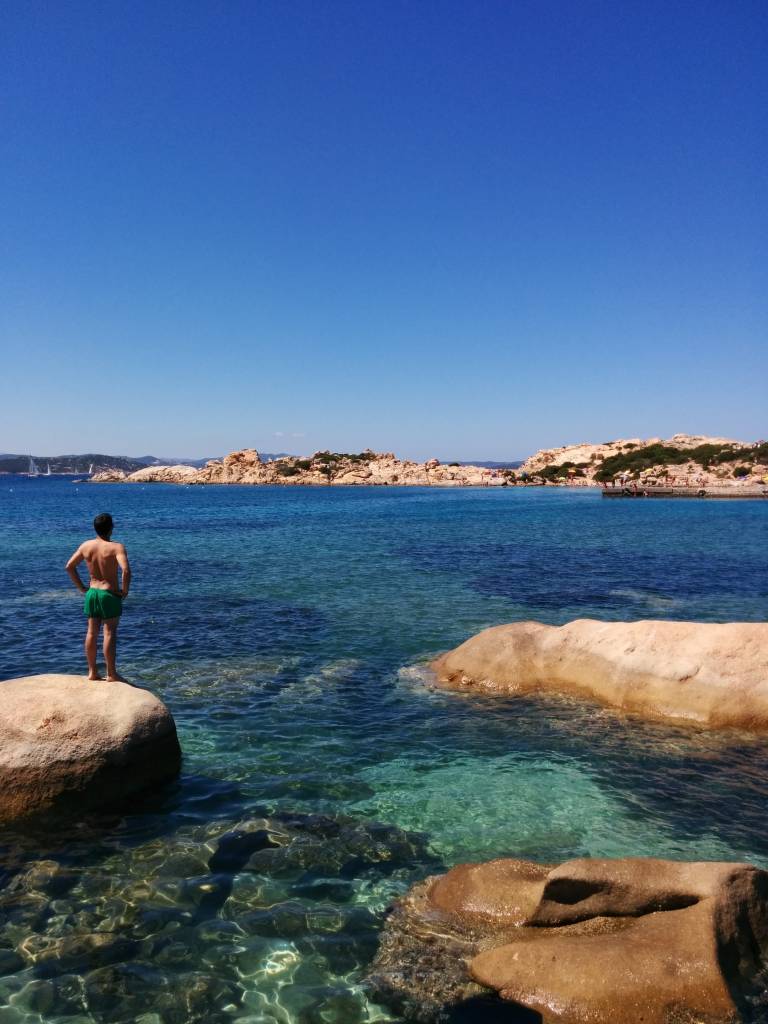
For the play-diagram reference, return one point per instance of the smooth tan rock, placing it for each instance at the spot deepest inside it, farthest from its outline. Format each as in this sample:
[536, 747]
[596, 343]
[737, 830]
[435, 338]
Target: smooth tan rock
[69, 745]
[499, 893]
[708, 674]
[108, 476]
[665, 955]
[638, 941]
[161, 475]
[657, 966]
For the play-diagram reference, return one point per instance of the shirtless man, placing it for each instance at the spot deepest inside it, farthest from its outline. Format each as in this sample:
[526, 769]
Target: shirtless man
[104, 596]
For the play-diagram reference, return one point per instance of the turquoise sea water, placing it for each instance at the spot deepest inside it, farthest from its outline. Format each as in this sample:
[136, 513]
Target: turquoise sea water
[286, 629]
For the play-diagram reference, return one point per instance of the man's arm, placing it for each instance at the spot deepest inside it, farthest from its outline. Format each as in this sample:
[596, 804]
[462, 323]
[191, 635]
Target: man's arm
[122, 561]
[71, 568]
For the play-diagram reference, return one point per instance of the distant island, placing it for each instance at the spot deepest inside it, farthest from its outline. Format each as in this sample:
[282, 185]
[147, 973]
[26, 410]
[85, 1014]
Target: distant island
[322, 468]
[58, 465]
[684, 460]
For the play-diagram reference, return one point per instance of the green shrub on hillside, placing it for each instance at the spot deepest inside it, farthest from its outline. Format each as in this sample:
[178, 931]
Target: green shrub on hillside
[631, 463]
[758, 454]
[554, 472]
[327, 458]
[561, 472]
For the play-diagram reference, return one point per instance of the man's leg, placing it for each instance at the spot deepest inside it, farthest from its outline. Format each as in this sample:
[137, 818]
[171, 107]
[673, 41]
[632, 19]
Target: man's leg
[110, 649]
[91, 640]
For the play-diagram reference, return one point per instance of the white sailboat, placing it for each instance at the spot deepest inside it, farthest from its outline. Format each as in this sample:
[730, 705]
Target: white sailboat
[48, 470]
[33, 470]
[90, 470]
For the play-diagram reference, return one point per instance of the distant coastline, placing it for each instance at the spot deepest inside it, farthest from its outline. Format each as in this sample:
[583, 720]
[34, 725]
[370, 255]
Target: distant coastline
[92, 462]
[683, 460]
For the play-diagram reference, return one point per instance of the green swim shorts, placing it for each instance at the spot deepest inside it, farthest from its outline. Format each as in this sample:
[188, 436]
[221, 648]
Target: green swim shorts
[102, 604]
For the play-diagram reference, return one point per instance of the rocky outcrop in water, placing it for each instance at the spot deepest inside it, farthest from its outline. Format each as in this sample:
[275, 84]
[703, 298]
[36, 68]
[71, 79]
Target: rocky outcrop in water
[321, 469]
[709, 674]
[588, 942]
[68, 745]
[684, 460]
[590, 454]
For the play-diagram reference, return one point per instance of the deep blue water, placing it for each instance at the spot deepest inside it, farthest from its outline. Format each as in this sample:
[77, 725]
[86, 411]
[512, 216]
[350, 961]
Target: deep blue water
[285, 627]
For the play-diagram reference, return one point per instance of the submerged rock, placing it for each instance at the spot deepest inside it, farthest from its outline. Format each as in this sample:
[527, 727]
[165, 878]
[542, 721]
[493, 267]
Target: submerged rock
[68, 745]
[197, 925]
[710, 674]
[588, 942]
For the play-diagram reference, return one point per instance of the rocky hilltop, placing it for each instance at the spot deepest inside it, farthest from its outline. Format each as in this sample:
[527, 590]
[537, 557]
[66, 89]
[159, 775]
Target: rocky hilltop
[683, 459]
[322, 468]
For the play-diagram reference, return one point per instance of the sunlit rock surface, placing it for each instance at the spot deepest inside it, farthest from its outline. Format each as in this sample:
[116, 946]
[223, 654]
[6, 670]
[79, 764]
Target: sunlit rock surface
[588, 942]
[68, 744]
[709, 674]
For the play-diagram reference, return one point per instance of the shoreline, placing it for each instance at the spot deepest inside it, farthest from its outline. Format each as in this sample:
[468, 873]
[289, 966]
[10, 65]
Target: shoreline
[720, 492]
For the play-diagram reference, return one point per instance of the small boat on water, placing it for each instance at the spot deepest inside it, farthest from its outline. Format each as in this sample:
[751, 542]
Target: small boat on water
[33, 470]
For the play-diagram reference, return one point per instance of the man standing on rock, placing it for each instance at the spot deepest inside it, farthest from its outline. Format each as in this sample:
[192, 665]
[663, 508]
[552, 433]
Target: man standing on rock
[104, 596]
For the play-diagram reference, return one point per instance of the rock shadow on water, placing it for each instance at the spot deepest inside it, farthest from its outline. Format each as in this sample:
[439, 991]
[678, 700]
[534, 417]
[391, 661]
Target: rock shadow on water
[491, 1010]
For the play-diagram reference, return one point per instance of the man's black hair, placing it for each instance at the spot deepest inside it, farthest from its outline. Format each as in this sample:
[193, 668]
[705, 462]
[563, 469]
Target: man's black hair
[103, 525]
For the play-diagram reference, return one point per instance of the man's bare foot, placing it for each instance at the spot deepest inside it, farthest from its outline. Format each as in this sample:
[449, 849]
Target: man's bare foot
[95, 677]
[116, 678]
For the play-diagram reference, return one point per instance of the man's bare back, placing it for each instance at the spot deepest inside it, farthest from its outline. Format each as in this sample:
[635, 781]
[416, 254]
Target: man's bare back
[103, 558]
[103, 605]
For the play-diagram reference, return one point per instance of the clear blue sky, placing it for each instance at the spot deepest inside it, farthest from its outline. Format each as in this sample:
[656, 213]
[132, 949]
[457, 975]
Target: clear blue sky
[440, 228]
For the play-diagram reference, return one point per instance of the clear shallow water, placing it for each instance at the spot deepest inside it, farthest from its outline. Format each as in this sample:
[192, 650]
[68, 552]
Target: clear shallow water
[284, 628]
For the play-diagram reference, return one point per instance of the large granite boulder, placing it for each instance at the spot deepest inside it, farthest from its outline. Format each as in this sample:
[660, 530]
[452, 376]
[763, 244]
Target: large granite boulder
[161, 475]
[588, 942]
[108, 476]
[710, 674]
[68, 745]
